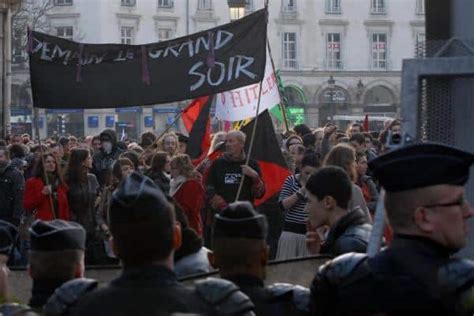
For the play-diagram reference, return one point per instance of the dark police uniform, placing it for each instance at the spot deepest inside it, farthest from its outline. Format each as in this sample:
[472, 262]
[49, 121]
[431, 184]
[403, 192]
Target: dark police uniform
[55, 235]
[239, 220]
[152, 289]
[412, 276]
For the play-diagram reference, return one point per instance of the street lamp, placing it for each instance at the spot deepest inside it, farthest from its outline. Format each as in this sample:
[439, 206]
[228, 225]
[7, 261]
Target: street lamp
[360, 87]
[332, 86]
[236, 9]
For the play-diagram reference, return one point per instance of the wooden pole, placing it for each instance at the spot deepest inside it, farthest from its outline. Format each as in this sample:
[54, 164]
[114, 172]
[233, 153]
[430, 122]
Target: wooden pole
[282, 105]
[252, 138]
[45, 175]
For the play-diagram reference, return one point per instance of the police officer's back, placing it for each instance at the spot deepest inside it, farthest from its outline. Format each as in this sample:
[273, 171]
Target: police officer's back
[56, 257]
[241, 253]
[426, 206]
[145, 234]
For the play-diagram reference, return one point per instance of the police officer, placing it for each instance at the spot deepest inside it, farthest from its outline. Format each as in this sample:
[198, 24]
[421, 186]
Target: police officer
[56, 256]
[145, 237]
[8, 234]
[241, 255]
[426, 206]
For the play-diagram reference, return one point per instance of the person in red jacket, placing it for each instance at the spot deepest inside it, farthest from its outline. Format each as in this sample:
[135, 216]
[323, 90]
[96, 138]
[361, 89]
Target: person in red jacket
[187, 190]
[41, 198]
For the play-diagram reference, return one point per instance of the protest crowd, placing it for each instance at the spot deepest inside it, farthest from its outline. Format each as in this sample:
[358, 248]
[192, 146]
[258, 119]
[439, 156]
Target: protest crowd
[147, 205]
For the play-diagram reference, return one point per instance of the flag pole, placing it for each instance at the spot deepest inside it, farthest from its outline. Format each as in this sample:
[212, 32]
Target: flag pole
[29, 48]
[252, 138]
[169, 126]
[45, 175]
[281, 105]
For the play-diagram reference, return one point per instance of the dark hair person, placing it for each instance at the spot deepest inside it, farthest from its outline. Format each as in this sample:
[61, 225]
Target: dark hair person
[159, 169]
[83, 192]
[46, 191]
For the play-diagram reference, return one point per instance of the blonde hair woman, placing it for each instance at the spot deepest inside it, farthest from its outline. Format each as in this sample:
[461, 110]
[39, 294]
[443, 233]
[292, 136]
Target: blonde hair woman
[344, 156]
[187, 190]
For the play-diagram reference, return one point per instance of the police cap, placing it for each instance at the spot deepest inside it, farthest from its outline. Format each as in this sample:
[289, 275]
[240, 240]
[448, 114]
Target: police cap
[57, 235]
[137, 199]
[421, 165]
[239, 220]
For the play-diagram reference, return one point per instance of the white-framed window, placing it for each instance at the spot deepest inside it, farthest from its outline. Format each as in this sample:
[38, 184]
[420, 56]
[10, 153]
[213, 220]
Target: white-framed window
[127, 34]
[333, 51]
[288, 5]
[289, 52]
[165, 3]
[249, 7]
[379, 50]
[420, 6]
[378, 7]
[333, 6]
[164, 34]
[420, 43]
[66, 32]
[128, 3]
[62, 2]
[18, 50]
[204, 5]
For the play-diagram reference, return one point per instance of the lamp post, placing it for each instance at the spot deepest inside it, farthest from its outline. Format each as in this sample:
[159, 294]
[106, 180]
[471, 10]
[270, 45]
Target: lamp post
[360, 87]
[236, 9]
[331, 86]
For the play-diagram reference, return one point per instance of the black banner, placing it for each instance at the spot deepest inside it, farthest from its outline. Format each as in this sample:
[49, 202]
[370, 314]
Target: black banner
[66, 74]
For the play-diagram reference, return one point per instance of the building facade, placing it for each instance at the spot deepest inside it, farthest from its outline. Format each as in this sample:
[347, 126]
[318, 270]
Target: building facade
[338, 59]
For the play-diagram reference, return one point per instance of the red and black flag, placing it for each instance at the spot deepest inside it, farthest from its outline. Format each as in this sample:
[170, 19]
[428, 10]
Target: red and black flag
[366, 123]
[198, 124]
[267, 153]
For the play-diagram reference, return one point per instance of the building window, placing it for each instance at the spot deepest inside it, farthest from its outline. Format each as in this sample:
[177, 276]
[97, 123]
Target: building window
[62, 2]
[420, 45]
[420, 6]
[128, 3]
[333, 6]
[377, 7]
[249, 6]
[288, 5]
[204, 4]
[66, 32]
[18, 51]
[289, 51]
[127, 35]
[164, 34]
[333, 51]
[165, 3]
[379, 51]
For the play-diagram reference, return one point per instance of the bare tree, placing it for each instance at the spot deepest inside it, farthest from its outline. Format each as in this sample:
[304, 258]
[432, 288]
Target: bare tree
[32, 13]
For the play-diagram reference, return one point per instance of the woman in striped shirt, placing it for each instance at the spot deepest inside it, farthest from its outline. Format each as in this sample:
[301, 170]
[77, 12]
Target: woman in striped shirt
[292, 199]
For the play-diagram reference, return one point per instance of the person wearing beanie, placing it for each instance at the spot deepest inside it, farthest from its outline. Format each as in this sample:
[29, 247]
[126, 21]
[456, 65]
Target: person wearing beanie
[56, 256]
[417, 274]
[240, 252]
[145, 236]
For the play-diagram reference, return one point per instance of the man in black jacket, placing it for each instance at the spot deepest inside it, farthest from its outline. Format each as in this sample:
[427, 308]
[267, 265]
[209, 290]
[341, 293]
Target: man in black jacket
[145, 237]
[328, 192]
[12, 185]
[226, 173]
[416, 275]
[241, 255]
